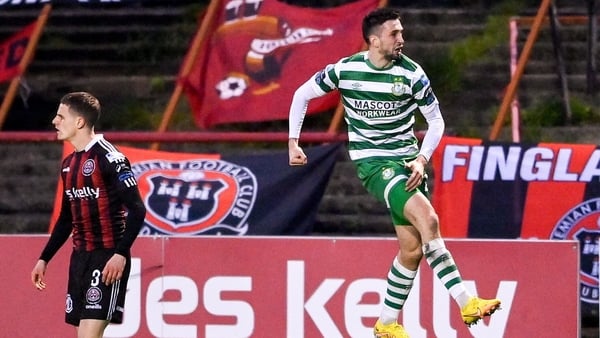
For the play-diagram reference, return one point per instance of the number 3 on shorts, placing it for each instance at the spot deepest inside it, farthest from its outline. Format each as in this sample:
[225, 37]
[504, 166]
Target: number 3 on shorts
[95, 277]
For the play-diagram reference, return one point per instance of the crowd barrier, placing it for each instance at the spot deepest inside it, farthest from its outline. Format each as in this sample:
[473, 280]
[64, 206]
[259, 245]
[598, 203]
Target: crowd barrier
[295, 287]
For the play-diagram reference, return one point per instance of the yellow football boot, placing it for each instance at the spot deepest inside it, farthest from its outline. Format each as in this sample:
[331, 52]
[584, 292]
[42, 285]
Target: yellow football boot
[393, 330]
[478, 308]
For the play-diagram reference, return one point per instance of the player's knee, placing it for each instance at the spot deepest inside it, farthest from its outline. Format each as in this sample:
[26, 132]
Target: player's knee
[431, 224]
[412, 255]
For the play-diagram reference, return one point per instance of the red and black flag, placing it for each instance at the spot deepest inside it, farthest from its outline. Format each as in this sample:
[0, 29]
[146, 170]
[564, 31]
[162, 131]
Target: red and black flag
[515, 190]
[511, 190]
[260, 51]
[12, 51]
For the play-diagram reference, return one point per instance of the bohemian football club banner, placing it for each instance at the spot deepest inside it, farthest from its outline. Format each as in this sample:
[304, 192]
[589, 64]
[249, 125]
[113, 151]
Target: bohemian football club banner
[12, 51]
[513, 190]
[260, 51]
[212, 194]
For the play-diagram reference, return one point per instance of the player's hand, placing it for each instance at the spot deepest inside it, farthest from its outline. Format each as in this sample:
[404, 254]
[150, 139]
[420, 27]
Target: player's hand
[37, 275]
[297, 156]
[113, 270]
[417, 168]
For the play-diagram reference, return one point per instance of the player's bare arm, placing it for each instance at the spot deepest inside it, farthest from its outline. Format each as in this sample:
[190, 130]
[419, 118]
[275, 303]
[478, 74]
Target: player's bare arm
[297, 156]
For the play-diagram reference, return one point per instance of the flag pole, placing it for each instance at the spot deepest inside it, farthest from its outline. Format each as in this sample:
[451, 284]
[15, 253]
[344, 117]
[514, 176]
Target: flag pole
[189, 61]
[339, 110]
[522, 62]
[25, 60]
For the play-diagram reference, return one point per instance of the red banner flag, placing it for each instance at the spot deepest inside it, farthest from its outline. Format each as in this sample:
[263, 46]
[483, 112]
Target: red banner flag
[12, 51]
[258, 52]
[507, 190]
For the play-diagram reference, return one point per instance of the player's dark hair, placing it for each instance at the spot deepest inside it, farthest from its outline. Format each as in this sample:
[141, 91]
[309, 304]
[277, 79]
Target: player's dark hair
[376, 18]
[84, 104]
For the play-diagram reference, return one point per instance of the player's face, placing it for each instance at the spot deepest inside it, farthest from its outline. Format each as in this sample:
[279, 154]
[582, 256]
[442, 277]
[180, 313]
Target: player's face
[391, 39]
[66, 123]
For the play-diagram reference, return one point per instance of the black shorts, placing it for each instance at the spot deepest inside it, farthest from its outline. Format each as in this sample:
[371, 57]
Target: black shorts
[87, 296]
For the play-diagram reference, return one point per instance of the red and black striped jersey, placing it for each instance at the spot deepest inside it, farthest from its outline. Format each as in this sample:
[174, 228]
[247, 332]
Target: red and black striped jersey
[95, 182]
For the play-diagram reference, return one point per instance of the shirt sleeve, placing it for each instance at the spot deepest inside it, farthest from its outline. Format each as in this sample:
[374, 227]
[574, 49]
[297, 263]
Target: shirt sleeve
[126, 183]
[435, 130]
[136, 212]
[306, 92]
[430, 108]
[60, 233]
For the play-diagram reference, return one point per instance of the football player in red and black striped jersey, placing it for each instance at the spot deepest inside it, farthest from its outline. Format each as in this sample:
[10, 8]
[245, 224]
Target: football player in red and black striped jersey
[102, 209]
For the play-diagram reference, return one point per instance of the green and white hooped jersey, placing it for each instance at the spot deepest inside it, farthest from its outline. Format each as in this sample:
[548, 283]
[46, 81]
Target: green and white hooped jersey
[380, 104]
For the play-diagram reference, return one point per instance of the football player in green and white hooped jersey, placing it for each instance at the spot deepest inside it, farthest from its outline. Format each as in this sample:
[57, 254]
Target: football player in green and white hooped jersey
[382, 90]
[380, 106]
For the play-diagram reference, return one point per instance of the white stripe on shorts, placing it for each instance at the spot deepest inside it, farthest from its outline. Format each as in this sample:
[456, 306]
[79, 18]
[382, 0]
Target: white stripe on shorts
[389, 187]
[113, 299]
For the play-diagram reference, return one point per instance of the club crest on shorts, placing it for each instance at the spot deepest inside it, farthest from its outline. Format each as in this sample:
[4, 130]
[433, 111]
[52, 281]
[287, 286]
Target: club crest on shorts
[387, 173]
[203, 196]
[69, 304]
[93, 295]
[582, 223]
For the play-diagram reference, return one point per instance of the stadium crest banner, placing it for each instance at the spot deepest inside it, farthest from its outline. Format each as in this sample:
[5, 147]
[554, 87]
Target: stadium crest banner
[213, 194]
[513, 190]
[12, 51]
[259, 52]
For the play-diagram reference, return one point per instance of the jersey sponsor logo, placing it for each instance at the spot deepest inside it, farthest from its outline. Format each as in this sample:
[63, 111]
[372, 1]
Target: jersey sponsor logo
[202, 196]
[582, 223]
[375, 109]
[84, 193]
[375, 104]
[88, 167]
